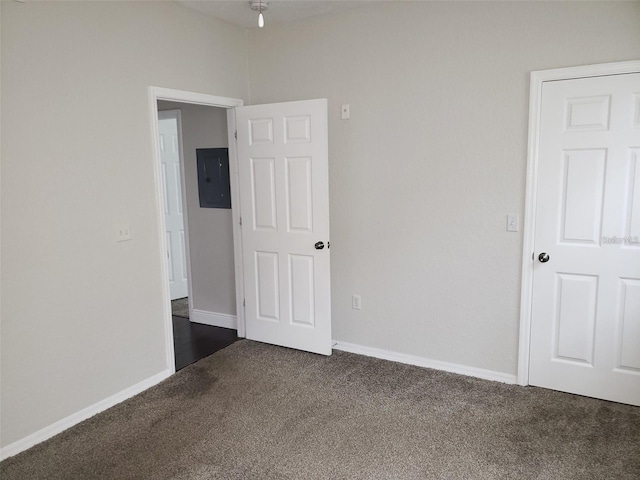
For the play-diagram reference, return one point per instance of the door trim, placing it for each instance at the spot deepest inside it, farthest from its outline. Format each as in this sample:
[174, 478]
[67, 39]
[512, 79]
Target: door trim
[537, 80]
[159, 93]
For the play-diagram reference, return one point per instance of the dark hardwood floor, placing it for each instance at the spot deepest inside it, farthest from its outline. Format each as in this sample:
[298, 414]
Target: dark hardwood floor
[193, 341]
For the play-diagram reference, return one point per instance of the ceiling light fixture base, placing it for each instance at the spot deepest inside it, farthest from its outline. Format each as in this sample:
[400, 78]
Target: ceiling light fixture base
[259, 5]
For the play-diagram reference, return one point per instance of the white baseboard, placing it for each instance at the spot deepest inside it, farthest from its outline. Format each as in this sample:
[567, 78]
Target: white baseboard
[424, 362]
[68, 422]
[214, 319]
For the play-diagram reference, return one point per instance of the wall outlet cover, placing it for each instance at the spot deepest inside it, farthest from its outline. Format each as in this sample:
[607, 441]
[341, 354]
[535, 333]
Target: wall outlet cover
[123, 232]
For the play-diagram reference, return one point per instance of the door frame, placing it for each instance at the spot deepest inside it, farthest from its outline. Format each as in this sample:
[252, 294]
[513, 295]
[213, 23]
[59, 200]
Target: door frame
[172, 95]
[537, 80]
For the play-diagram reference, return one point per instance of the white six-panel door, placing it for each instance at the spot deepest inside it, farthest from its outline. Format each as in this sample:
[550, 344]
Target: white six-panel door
[176, 244]
[284, 196]
[585, 328]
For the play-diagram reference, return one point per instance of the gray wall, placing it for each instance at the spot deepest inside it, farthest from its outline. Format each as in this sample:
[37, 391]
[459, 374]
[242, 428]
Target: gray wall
[433, 158]
[82, 315]
[210, 229]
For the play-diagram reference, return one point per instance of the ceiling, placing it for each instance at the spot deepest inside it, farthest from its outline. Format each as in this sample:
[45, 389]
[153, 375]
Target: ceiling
[239, 13]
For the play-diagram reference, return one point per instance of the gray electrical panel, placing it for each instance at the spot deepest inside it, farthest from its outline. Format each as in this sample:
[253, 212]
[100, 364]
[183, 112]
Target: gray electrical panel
[213, 177]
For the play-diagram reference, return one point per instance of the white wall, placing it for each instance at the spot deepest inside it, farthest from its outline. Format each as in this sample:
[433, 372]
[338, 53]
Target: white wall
[433, 158]
[82, 315]
[210, 229]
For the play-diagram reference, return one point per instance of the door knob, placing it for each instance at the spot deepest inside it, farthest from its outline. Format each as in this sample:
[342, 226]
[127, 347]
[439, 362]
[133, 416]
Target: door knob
[543, 257]
[319, 245]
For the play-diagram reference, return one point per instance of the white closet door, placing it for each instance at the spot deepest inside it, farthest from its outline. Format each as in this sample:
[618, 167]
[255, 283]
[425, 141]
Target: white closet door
[585, 335]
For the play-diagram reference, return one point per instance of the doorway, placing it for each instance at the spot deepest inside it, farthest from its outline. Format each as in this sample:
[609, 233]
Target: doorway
[201, 317]
[580, 323]
[199, 239]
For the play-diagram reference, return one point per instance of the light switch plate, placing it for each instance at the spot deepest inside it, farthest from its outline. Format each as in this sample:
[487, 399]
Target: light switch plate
[512, 223]
[356, 302]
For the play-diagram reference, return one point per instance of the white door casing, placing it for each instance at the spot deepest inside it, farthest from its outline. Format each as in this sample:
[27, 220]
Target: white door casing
[585, 306]
[169, 146]
[284, 196]
[161, 93]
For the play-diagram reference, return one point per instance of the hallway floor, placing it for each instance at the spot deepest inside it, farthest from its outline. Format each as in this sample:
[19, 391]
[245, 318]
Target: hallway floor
[193, 341]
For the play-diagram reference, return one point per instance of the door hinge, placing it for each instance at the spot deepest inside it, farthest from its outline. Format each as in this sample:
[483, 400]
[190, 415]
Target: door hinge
[240, 221]
[236, 134]
[243, 304]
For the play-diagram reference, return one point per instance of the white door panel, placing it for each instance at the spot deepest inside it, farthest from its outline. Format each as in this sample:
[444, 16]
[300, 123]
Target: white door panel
[585, 330]
[284, 197]
[169, 144]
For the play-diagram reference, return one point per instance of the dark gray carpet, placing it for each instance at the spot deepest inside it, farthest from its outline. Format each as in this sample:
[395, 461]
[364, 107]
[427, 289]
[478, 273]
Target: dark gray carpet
[180, 307]
[254, 411]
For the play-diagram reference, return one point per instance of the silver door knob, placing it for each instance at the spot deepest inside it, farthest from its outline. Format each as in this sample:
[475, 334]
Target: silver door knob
[543, 257]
